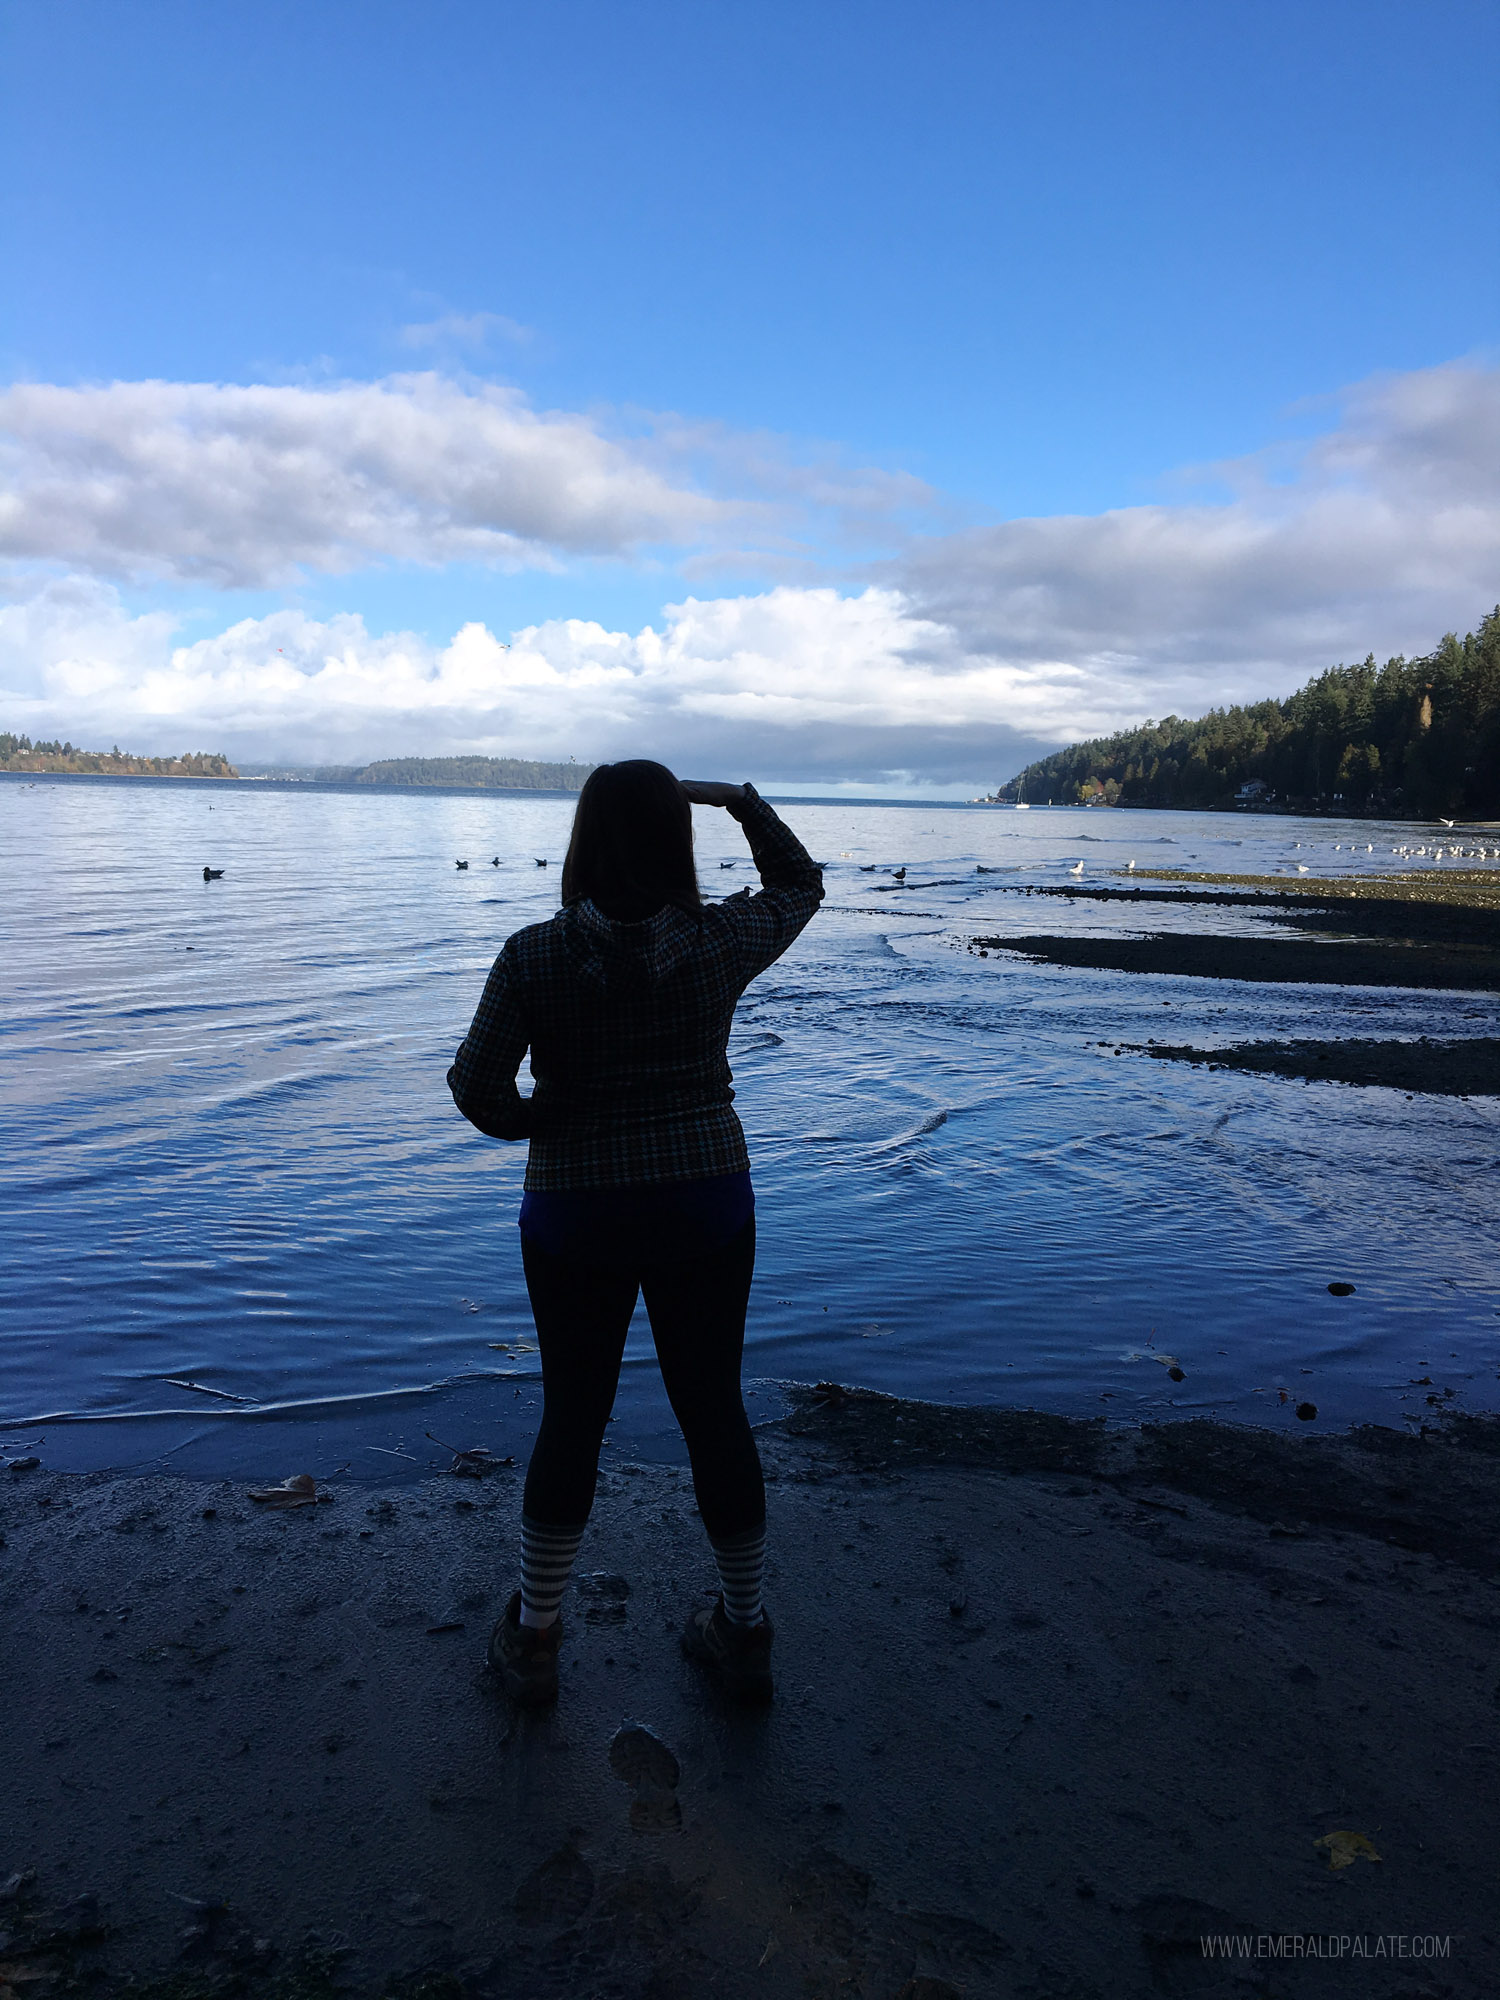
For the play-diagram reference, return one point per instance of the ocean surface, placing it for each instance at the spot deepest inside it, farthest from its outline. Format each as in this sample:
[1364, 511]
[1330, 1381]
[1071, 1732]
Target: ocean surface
[230, 1159]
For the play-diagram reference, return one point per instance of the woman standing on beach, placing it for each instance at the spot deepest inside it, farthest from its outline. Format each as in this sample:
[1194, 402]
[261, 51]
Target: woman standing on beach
[637, 1180]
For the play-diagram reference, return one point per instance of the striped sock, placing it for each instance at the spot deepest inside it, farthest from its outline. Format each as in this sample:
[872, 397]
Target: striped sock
[546, 1560]
[741, 1560]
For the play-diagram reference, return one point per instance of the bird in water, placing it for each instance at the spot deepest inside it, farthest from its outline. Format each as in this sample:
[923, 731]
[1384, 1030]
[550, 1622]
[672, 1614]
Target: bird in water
[898, 874]
[1076, 869]
[460, 864]
[540, 860]
[868, 868]
[496, 862]
[726, 864]
[1130, 867]
[212, 874]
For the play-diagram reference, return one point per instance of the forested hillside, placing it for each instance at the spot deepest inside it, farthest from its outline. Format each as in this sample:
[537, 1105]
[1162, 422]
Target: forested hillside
[1418, 737]
[19, 753]
[508, 774]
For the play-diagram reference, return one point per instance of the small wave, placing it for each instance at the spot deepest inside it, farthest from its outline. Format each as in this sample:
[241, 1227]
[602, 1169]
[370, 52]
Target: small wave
[909, 1138]
[276, 1086]
[156, 1013]
[291, 1407]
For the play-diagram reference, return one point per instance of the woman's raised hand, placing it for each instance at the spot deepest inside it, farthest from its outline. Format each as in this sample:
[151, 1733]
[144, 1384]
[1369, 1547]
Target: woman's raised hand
[708, 792]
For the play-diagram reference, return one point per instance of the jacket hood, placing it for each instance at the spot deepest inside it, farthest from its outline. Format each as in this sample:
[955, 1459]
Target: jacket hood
[635, 955]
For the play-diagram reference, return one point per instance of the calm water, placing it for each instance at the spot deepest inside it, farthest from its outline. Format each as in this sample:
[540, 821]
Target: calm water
[230, 1158]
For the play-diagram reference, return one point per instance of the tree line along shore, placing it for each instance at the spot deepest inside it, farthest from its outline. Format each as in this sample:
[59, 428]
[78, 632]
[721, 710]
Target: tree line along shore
[480, 774]
[19, 753]
[1412, 739]
[501, 774]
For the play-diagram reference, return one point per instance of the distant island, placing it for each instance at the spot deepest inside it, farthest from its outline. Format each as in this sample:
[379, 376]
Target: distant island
[19, 753]
[480, 774]
[1414, 738]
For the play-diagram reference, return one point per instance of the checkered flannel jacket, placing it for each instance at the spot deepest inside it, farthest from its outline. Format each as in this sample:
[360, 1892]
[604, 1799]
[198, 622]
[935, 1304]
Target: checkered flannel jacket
[628, 1025]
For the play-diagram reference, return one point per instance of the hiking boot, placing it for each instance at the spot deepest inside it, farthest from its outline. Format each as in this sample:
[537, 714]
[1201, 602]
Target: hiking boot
[739, 1654]
[524, 1658]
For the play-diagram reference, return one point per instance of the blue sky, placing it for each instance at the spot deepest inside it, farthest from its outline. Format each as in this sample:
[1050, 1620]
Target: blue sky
[901, 290]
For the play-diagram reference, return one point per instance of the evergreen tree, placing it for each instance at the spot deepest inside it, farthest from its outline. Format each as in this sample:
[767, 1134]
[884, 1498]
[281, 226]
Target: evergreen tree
[1414, 736]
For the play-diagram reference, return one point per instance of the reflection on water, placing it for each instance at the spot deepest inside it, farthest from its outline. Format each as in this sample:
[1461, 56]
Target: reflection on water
[231, 1161]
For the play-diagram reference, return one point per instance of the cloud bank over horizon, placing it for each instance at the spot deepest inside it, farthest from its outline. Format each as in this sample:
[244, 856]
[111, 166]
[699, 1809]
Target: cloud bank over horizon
[949, 661]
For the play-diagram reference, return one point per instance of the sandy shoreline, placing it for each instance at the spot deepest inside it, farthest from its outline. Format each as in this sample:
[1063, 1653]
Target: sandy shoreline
[1055, 1700]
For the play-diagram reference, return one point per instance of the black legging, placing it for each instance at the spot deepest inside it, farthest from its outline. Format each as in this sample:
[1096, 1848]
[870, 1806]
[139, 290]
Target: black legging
[697, 1311]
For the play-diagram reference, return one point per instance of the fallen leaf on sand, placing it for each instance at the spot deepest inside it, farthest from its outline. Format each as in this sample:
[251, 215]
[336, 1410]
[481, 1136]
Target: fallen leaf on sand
[1345, 1848]
[301, 1490]
[474, 1461]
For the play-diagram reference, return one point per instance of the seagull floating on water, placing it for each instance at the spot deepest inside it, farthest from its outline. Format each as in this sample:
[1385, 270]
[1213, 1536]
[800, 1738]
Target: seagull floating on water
[1076, 869]
[460, 864]
[540, 862]
[212, 874]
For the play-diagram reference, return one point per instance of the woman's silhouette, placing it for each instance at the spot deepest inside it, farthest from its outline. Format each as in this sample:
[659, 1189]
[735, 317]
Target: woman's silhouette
[637, 1180]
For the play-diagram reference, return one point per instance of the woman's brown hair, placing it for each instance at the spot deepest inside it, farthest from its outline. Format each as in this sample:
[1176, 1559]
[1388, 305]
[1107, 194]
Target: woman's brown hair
[632, 845]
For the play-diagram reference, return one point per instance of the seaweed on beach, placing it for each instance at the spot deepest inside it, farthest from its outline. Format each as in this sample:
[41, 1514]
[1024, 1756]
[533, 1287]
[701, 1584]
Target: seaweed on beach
[876, 1430]
[1432, 1489]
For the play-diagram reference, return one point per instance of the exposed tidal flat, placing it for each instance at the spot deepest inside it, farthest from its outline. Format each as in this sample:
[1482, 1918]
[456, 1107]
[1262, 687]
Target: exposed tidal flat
[250, 1233]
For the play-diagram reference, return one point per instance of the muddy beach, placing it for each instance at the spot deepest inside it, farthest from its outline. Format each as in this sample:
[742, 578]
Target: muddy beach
[1425, 932]
[1055, 1702]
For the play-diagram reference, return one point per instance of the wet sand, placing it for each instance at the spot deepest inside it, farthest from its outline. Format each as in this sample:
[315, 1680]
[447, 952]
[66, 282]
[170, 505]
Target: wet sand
[1428, 932]
[1466, 1068]
[1425, 931]
[1274, 961]
[1055, 1700]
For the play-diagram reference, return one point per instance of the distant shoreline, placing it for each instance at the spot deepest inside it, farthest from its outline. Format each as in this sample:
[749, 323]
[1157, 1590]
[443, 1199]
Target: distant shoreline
[154, 777]
[366, 788]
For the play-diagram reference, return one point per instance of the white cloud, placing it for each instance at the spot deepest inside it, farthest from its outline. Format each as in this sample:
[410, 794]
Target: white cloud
[1378, 536]
[470, 330]
[249, 486]
[799, 683]
[253, 487]
[963, 658]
